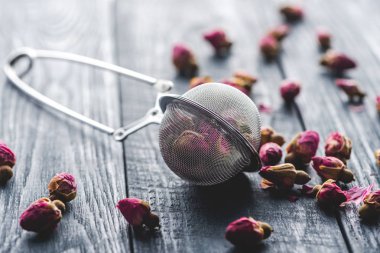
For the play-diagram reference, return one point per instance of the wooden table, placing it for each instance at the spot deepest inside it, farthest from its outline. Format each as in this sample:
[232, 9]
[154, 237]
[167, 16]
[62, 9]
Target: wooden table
[138, 34]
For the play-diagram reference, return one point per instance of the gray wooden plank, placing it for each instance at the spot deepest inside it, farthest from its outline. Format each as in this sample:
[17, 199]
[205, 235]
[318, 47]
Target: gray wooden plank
[354, 25]
[46, 143]
[194, 218]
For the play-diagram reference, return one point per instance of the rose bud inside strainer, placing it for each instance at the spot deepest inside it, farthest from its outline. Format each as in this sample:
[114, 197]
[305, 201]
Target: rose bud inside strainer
[220, 141]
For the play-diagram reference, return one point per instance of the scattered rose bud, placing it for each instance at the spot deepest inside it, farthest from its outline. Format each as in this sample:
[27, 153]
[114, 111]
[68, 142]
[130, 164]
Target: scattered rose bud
[244, 79]
[378, 104]
[292, 13]
[329, 167]
[377, 156]
[371, 206]
[284, 175]
[191, 146]
[269, 47]
[236, 85]
[324, 38]
[279, 32]
[196, 81]
[330, 194]
[268, 134]
[137, 212]
[270, 153]
[7, 161]
[219, 41]
[247, 232]
[302, 148]
[289, 90]
[184, 61]
[63, 187]
[339, 146]
[41, 216]
[351, 88]
[337, 62]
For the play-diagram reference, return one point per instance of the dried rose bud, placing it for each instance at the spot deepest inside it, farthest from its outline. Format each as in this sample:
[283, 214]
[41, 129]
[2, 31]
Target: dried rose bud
[236, 85]
[330, 194]
[270, 153]
[292, 13]
[244, 79]
[329, 167]
[371, 206]
[289, 90]
[337, 62]
[324, 38]
[269, 47]
[219, 41]
[184, 61]
[351, 88]
[378, 104]
[196, 81]
[302, 148]
[284, 175]
[7, 161]
[137, 212]
[41, 216]
[339, 146]
[191, 145]
[268, 134]
[279, 32]
[247, 232]
[377, 156]
[63, 187]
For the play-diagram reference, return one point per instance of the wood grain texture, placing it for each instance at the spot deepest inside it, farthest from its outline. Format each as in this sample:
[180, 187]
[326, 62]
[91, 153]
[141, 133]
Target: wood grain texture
[46, 143]
[194, 218]
[354, 25]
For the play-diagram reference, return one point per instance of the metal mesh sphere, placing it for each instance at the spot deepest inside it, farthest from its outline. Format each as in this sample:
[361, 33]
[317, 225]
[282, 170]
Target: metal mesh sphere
[210, 134]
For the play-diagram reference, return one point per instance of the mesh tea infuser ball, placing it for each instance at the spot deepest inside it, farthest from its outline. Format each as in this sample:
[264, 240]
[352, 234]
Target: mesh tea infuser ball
[207, 135]
[210, 134]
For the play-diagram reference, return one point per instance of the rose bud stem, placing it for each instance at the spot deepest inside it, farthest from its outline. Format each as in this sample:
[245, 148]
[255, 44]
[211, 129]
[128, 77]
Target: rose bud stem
[60, 205]
[268, 230]
[152, 221]
[302, 177]
[6, 173]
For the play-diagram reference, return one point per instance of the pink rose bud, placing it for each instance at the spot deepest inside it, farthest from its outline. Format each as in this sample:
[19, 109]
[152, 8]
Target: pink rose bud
[377, 156]
[270, 153]
[324, 38]
[269, 47]
[192, 146]
[236, 85]
[330, 194]
[339, 146]
[247, 232]
[284, 175]
[279, 32]
[329, 167]
[289, 90]
[219, 41]
[292, 13]
[337, 62]
[371, 206]
[268, 134]
[137, 212]
[351, 88]
[63, 187]
[41, 216]
[184, 61]
[7, 161]
[196, 81]
[302, 148]
[378, 104]
[244, 79]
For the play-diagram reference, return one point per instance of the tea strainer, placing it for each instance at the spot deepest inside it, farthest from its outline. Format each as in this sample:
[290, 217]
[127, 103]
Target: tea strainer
[207, 135]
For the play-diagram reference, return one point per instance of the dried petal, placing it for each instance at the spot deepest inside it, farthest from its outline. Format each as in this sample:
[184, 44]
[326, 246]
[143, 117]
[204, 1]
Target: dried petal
[184, 60]
[219, 41]
[284, 175]
[270, 153]
[196, 81]
[324, 38]
[292, 13]
[339, 146]
[330, 194]
[351, 88]
[289, 90]
[247, 232]
[371, 206]
[337, 62]
[270, 135]
[63, 187]
[377, 156]
[279, 32]
[357, 194]
[41, 216]
[329, 167]
[302, 148]
[269, 47]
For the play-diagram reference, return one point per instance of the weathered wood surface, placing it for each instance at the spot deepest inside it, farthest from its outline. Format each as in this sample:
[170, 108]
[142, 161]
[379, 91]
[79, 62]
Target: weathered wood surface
[139, 35]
